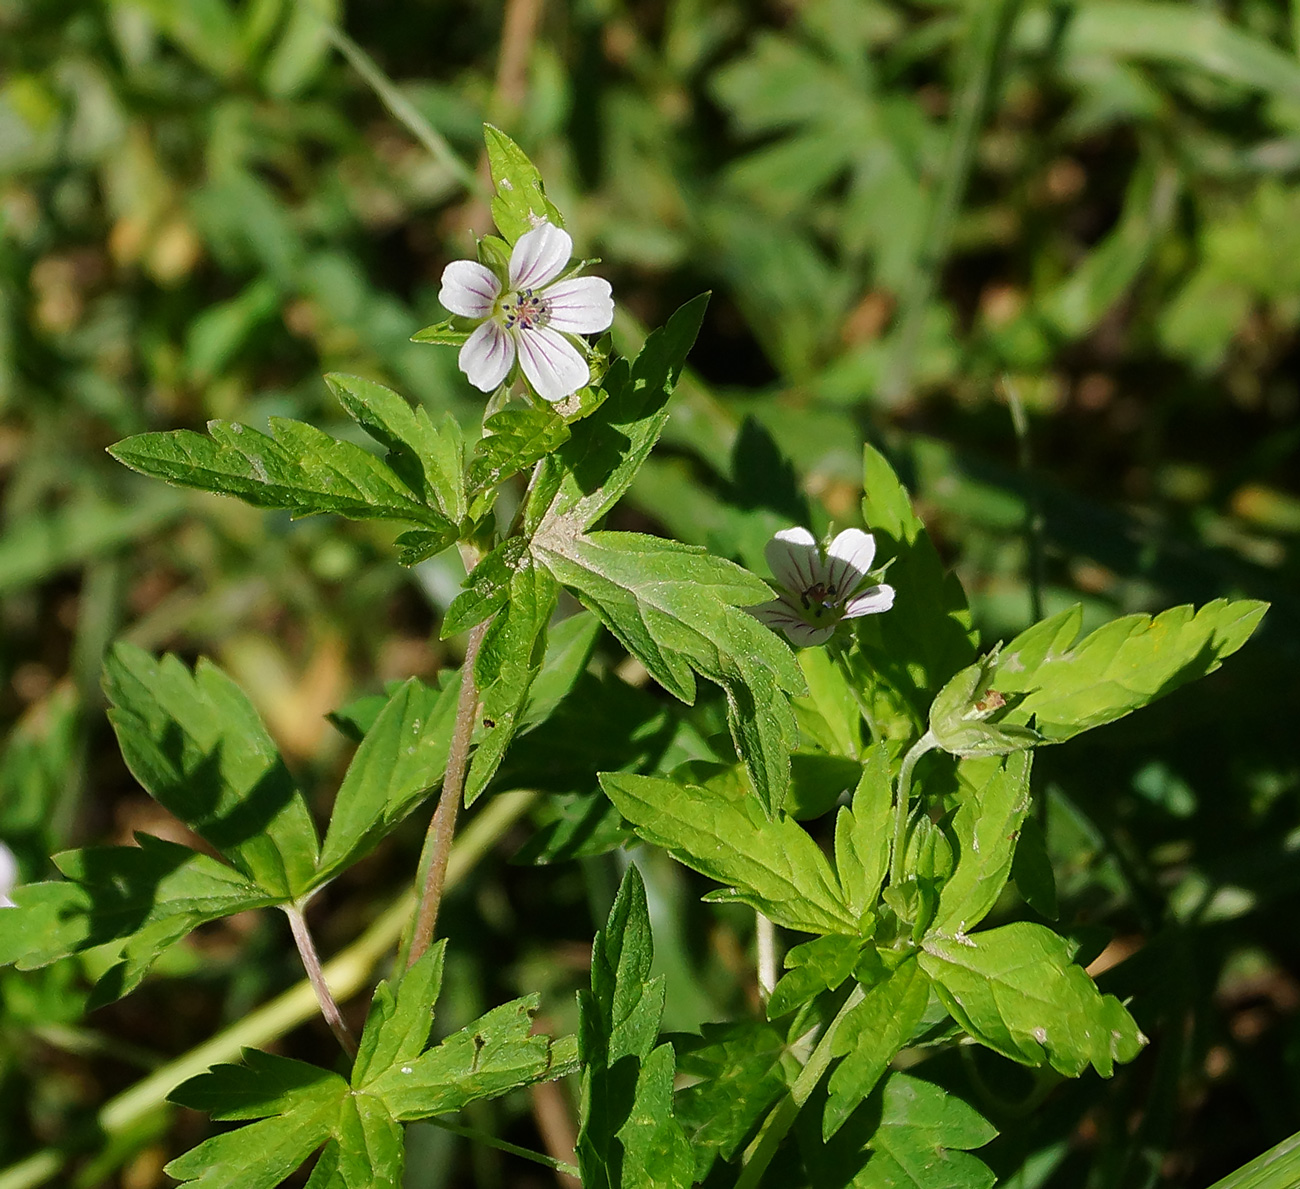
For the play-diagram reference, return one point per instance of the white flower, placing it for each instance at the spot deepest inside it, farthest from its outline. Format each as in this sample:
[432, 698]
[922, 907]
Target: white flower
[529, 318]
[8, 875]
[817, 591]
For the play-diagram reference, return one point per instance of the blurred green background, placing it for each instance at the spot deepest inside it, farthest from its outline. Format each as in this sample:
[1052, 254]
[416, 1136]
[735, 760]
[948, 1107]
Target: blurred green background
[1045, 255]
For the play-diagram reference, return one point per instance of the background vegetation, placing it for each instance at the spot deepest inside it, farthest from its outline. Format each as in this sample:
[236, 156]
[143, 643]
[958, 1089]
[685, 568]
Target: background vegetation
[1045, 255]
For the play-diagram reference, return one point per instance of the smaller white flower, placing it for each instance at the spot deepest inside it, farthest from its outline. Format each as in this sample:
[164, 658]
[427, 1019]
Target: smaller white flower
[8, 875]
[532, 317]
[817, 591]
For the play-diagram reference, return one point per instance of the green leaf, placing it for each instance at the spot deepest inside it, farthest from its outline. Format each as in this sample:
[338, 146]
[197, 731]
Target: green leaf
[862, 833]
[588, 475]
[1032, 870]
[147, 897]
[194, 741]
[1016, 990]
[510, 657]
[419, 545]
[628, 1128]
[906, 656]
[487, 1058]
[513, 441]
[923, 1139]
[298, 467]
[520, 200]
[429, 459]
[986, 828]
[771, 864]
[742, 1069]
[487, 587]
[299, 1108]
[817, 781]
[968, 718]
[1065, 688]
[675, 609]
[870, 1036]
[446, 333]
[814, 966]
[402, 756]
[397, 1027]
[828, 716]
[1278, 1168]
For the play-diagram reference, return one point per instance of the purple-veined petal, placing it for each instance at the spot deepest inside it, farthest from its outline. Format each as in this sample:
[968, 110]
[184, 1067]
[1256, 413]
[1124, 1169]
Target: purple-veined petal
[487, 356]
[848, 560]
[870, 601]
[551, 363]
[539, 256]
[776, 613]
[8, 875]
[795, 559]
[469, 289]
[803, 635]
[580, 305]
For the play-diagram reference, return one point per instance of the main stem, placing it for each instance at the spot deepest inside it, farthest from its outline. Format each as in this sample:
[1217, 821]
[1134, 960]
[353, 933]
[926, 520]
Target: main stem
[777, 1125]
[442, 828]
[316, 976]
[903, 802]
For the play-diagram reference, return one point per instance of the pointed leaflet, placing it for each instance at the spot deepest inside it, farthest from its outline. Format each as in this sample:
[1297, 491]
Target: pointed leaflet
[923, 1138]
[926, 637]
[814, 967]
[429, 459]
[147, 896]
[397, 1026]
[742, 1069]
[520, 202]
[627, 1121]
[870, 1037]
[986, 828]
[674, 608]
[197, 745]
[298, 1107]
[1071, 687]
[862, 833]
[510, 657]
[512, 441]
[486, 589]
[771, 864]
[402, 756]
[298, 467]
[1016, 990]
[587, 476]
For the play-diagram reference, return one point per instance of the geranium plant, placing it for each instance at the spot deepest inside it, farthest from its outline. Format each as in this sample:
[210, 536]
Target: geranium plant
[868, 797]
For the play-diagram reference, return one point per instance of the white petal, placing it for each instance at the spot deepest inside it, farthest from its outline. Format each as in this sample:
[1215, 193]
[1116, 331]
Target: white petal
[539, 256]
[795, 559]
[803, 634]
[580, 305]
[870, 601]
[848, 560]
[469, 289]
[487, 356]
[552, 363]
[776, 614]
[8, 875]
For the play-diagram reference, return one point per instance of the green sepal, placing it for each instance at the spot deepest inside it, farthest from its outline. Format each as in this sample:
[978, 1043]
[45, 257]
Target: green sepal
[520, 202]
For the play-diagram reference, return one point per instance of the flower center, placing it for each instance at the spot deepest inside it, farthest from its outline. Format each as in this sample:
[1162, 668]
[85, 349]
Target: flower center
[819, 598]
[525, 310]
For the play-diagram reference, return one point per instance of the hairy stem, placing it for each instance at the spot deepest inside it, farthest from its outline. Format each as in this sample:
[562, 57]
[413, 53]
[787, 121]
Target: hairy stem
[902, 803]
[442, 827]
[316, 976]
[777, 1124]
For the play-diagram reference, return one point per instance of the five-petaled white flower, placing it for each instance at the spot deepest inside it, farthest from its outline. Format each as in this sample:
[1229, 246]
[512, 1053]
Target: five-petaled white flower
[8, 875]
[531, 317]
[817, 591]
